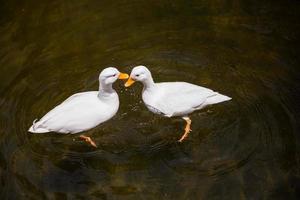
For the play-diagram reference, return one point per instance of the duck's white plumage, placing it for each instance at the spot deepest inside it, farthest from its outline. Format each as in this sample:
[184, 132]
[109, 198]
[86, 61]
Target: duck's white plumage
[83, 111]
[80, 112]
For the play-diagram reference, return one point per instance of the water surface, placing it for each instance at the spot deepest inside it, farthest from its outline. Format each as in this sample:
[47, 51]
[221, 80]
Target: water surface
[247, 148]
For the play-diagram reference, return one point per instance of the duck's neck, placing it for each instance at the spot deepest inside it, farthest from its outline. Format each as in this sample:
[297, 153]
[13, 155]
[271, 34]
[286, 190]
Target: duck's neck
[106, 91]
[149, 84]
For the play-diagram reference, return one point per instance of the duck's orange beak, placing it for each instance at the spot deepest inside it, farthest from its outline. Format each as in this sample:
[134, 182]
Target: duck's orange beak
[123, 76]
[129, 82]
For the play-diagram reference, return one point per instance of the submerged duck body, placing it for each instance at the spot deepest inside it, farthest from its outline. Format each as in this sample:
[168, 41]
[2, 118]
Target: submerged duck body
[173, 99]
[85, 110]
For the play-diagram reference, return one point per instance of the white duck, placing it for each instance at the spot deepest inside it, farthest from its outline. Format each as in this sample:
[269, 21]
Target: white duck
[85, 110]
[172, 99]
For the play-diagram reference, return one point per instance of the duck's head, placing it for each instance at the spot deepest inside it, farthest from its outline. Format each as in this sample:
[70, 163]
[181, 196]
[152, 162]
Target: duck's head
[110, 75]
[138, 73]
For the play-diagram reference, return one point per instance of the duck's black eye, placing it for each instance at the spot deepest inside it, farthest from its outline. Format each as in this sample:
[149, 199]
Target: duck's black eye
[111, 75]
[137, 75]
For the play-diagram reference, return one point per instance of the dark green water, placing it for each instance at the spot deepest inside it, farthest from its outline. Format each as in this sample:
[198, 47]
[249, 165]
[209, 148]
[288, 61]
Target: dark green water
[247, 148]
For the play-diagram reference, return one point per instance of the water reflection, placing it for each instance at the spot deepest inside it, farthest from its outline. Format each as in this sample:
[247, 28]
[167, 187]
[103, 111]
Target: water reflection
[245, 148]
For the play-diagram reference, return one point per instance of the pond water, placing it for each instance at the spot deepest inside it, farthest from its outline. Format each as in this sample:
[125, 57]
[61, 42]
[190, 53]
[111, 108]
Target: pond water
[247, 148]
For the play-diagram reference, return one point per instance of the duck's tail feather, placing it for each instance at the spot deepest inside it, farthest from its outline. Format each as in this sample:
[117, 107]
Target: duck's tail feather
[217, 98]
[36, 128]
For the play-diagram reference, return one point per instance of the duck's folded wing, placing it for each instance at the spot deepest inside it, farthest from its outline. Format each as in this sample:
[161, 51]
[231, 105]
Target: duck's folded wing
[180, 98]
[67, 104]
